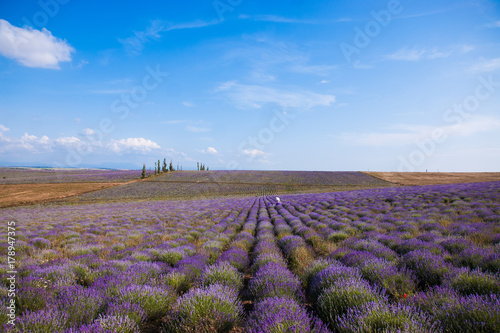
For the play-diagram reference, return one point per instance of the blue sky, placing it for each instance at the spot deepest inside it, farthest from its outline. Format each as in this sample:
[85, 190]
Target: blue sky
[238, 84]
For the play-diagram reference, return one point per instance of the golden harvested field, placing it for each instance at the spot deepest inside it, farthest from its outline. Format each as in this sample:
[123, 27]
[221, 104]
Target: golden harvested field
[25, 194]
[435, 178]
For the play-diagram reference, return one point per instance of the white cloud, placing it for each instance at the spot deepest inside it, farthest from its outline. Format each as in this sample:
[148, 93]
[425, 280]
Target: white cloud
[175, 122]
[404, 134]
[358, 65]
[3, 128]
[135, 44]
[275, 19]
[490, 65]
[69, 141]
[33, 48]
[210, 150]
[254, 153]
[197, 129]
[416, 54]
[253, 96]
[188, 104]
[132, 145]
[435, 54]
[495, 24]
[313, 69]
[406, 55]
[88, 131]
[33, 144]
[324, 81]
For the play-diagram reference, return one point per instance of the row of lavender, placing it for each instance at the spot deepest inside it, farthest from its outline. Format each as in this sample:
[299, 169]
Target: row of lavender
[413, 259]
[118, 267]
[365, 260]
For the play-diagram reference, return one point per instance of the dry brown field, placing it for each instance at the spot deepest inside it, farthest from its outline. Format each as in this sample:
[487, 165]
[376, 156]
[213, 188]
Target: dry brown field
[26, 194]
[435, 178]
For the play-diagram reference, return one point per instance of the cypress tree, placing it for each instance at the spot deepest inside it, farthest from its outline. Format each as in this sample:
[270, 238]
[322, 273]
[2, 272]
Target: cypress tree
[143, 174]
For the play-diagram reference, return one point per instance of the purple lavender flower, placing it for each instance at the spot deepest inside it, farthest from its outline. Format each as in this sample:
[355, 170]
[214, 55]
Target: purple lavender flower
[429, 268]
[457, 313]
[274, 280]
[236, 257]
[278, 314]
[470, 282]
[82, 304]
[213, 308]
[224, 274]
[336, 300]
[155, 301]
[455, 245]
[331, 275]
[356, 258]
[41, 243]
[396, 282]
[134, 311]
[47, 320]
[382, 317]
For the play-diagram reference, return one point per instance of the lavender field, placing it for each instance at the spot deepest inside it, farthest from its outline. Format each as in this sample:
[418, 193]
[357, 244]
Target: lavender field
[213, 184]
[401, 259]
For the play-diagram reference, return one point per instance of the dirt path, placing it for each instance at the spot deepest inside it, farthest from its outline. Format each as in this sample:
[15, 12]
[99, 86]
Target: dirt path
[27, 194]
[435, 178]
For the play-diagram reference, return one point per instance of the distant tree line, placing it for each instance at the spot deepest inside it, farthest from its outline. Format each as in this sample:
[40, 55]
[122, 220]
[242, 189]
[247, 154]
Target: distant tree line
[169, 167]
[201, 166]
[161, 168]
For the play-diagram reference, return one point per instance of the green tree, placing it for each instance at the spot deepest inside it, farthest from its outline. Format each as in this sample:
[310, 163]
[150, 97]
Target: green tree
[164, 168]
[155, 168]
[143, 174]
[198, 166]
[171, 166]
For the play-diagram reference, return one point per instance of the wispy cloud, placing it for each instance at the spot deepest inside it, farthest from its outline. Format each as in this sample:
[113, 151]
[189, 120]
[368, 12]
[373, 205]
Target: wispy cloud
[188, 104]
[267, 58]
[282, 19]
[404, 134]
[33, 48]
[416, 54]
[495, 24]
[175, 122]
[210, 151]
[135, 44]
[314, 69]
[198, 126]
[484, 65]
[276, 19]
[406, 55]
[358, 65]
[197, 129]
[254, 96]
